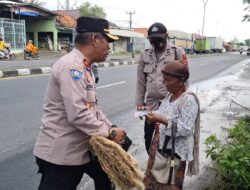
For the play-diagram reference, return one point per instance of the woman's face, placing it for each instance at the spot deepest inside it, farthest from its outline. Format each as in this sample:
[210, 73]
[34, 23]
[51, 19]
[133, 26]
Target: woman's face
[172, 83]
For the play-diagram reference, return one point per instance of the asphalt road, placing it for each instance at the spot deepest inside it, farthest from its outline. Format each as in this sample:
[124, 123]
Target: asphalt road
[21, 109]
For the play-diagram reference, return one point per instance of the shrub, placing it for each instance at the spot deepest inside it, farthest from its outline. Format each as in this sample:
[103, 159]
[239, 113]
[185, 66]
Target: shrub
[232, 159]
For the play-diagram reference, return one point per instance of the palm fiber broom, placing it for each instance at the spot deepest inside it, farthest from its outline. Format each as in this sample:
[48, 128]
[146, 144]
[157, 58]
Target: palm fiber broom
[121, 167]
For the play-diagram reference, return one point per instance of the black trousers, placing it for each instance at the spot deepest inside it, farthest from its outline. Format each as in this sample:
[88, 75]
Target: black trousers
[58, 177]
[148, 133]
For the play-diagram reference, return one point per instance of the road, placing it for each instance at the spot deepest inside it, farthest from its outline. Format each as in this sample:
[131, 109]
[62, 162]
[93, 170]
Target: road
[21, 109]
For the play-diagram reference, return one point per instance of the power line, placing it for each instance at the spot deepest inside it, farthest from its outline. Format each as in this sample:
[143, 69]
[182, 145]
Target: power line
[130, 18]
[59, 4]
[66, 5]
[74, 5]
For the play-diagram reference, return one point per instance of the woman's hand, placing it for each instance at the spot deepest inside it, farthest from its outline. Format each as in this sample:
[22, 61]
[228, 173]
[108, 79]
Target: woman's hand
[156, 118]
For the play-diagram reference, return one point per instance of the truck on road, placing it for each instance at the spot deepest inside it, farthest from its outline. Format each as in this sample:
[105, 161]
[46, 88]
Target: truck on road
[216, 44]
[202, 45]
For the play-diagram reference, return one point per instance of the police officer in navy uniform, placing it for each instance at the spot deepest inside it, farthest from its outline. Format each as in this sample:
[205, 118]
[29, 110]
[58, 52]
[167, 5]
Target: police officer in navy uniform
[150, 89]
[71, 113]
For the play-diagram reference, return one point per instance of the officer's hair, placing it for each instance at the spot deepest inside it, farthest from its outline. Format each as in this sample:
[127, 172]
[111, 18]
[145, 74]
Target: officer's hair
[85, 38]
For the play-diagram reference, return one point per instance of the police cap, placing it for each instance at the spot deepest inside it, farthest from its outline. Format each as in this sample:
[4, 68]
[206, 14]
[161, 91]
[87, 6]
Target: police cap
[91, 24]
[157, 30]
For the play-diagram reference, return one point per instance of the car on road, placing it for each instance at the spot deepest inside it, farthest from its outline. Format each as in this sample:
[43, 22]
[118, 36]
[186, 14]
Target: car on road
[248, 51]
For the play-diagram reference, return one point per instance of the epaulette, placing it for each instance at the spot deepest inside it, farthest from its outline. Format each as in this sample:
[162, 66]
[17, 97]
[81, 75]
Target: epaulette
[173, 46]
[148, 51]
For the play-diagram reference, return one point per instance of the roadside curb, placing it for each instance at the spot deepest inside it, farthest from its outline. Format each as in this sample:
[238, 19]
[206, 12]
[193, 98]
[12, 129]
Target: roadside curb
[22, 72]
[45, 70]
[202, 55]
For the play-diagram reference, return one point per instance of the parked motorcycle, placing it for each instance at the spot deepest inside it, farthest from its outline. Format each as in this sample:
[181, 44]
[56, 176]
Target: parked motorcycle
[27, 55]
[7, 54]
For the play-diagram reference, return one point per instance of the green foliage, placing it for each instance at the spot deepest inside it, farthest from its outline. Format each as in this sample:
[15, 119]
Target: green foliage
[87, 9]
[247, 42]
[241, 44]
[233, 159]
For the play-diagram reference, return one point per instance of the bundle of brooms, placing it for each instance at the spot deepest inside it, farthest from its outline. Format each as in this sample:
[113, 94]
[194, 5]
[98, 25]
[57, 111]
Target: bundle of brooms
[120, 166]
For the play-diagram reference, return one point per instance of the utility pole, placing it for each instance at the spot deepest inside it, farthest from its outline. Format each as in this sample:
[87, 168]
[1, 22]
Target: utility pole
[130, 18]
[19, 10]
[203, 24]
[67, 5]
[130, 26]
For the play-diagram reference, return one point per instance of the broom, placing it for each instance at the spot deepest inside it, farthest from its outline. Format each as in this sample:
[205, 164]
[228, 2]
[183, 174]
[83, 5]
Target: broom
[120, 166]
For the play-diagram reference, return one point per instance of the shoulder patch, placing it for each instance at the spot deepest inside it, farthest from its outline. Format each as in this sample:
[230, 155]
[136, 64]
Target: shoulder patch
[184, 59]
[76, 73]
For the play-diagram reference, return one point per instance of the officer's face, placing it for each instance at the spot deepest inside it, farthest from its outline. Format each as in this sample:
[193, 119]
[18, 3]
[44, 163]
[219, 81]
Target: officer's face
[158, 44]
[102, 49]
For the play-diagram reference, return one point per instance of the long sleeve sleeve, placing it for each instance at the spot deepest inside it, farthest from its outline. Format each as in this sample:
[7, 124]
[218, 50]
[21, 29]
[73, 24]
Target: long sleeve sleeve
[186, 118]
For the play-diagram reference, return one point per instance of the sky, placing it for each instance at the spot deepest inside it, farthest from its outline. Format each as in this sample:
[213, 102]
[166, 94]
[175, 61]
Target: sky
[222, 17]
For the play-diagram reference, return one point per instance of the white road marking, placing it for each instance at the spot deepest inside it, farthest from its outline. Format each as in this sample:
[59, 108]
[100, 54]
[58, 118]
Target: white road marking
[108, 85]
[203, 64]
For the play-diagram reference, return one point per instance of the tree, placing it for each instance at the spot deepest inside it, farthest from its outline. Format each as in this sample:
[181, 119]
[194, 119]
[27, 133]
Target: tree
[36, 2]
[241, 44]
[247, 42]
[86, 9]
[246, 17]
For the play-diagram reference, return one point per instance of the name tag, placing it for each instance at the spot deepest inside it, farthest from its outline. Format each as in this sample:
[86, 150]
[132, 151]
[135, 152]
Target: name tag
[90, 87]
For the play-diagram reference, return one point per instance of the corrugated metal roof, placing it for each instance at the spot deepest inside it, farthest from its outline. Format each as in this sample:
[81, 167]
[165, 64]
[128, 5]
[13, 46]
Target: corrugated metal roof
[126, 33]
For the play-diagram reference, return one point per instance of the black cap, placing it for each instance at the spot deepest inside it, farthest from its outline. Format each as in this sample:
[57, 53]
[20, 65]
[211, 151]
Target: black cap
[91, 24]
[157, 30]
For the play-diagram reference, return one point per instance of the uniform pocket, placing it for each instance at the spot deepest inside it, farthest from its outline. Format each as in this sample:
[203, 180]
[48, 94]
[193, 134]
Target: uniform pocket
[148, 69]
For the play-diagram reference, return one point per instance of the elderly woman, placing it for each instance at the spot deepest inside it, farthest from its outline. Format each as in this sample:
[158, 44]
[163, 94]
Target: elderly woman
[180, 106]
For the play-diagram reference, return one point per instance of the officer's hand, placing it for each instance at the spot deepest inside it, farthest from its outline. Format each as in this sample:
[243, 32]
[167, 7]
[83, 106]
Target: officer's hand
[141, 108]
[117, 134]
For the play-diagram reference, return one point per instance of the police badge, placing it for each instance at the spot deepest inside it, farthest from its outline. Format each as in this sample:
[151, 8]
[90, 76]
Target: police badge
[76, 73]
